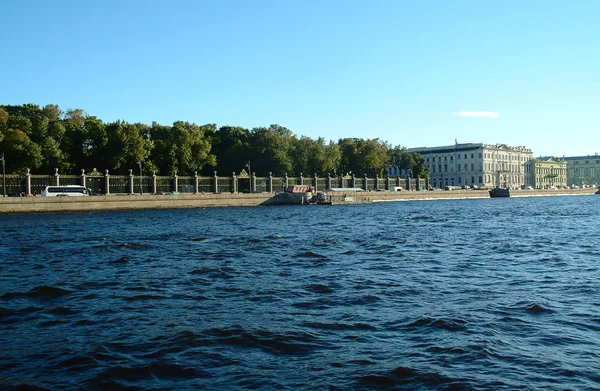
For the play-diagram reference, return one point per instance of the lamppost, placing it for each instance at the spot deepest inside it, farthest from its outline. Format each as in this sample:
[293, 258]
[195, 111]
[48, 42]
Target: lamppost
[3, 176]
[141, 188]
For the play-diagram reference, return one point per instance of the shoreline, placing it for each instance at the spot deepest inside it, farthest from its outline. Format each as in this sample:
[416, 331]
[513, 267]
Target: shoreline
[27, 205]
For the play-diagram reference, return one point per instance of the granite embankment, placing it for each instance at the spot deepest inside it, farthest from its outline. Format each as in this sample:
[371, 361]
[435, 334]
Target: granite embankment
[129, 202]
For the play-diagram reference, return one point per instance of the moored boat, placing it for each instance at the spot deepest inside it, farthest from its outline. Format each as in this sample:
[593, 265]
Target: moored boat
[499, 192]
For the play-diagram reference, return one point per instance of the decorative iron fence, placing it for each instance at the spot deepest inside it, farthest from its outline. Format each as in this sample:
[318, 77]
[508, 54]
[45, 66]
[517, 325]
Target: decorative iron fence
[99, 184]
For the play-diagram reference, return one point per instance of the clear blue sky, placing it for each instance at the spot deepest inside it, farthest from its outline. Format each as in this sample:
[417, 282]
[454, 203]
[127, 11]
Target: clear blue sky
[401, 70]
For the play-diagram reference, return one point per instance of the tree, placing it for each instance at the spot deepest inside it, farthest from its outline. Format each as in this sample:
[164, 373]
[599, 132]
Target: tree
[20, 152]
[271, 150]
[231, 147]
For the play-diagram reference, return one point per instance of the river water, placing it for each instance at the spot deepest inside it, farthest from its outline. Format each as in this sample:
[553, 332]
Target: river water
[481, 294]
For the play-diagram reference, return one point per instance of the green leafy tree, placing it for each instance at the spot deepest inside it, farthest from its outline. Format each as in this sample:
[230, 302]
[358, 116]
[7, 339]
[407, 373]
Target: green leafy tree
[231, 148]
[271, 150]
[20, 152]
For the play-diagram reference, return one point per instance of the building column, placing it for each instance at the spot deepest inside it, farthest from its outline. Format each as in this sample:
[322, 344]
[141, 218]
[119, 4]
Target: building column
[233, 186]
[270, 183]
[28, 183]
[130, 181]
[106, 182]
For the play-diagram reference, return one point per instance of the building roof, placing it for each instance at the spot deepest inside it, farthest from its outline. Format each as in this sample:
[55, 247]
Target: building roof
[579, 157]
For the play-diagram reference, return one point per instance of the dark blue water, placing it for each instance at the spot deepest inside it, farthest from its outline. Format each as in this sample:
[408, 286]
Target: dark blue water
[484, 294]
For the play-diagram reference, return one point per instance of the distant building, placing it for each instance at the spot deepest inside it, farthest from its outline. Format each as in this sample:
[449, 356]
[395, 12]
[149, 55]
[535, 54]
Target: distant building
[582, 170]
[477, 164]
[548, 172]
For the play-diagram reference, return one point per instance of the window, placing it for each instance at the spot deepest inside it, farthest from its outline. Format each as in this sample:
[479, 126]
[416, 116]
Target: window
[445, 168]
[472, 166]
[458, 156]
[445, 158]
[480, 158]
[465, 155]
[472, 156]
[451, 158]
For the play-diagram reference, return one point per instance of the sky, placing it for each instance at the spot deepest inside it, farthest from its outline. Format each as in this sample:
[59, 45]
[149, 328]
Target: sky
[412, 73]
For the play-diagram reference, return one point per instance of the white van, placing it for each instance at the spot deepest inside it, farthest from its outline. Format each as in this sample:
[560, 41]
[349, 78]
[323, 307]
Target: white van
[63, 191]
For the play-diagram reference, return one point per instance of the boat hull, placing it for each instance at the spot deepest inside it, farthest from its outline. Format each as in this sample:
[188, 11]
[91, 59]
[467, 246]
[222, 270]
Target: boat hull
[499, 192]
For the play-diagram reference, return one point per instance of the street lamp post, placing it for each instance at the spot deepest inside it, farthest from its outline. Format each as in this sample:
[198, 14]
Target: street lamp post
[141, 188]
[3, 176]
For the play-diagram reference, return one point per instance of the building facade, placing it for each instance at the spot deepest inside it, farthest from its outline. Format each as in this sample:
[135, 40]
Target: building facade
[583, 170]
[483, 165]
[548, 172]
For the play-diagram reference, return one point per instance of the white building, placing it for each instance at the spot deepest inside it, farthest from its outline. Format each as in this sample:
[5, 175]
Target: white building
[477, 164]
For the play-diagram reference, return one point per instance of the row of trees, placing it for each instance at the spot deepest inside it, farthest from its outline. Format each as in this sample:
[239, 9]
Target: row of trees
[44, 138]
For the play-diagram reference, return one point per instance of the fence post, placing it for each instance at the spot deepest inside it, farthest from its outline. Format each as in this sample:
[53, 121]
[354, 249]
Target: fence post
[397, 179]
[196, 182]
[365, 182]
[328, 181]
[153, 182]
[56, 177]
[83, 178]
[233, 183]
[270, 185]
[130, 181]
[28, 183]
[253, 182]
[407, 182]
[418, 183]
[387, 182]
[106, 182]
[216, 183]
[301, 179]
[286, 182]
[175, 181]
[376, 186]
[315, 181]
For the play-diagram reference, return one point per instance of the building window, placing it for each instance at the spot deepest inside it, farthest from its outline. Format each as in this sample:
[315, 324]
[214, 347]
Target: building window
[472, 156]
[480, 158]
[472, 166]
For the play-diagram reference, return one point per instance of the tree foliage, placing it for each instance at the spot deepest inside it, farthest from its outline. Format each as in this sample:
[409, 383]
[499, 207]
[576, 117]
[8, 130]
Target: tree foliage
[44, 138]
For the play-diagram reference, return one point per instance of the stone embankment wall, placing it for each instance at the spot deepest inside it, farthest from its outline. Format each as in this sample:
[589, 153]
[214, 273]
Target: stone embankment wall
[130, 202]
